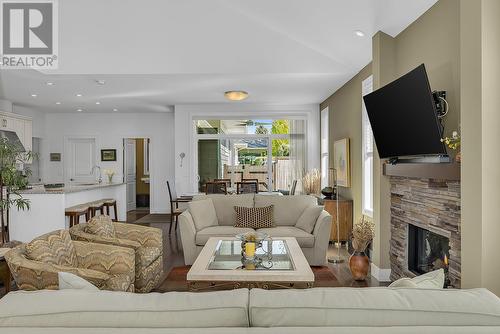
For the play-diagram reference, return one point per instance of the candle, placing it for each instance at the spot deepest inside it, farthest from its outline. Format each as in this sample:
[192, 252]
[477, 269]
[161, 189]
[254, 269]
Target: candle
[250, 249]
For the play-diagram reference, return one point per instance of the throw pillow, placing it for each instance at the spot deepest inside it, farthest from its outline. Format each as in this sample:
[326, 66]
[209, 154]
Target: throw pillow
[203, 213]
[71, 281]
[254, 217]
[53, 248]
[431, 280]
[308, 218]
[101, 226]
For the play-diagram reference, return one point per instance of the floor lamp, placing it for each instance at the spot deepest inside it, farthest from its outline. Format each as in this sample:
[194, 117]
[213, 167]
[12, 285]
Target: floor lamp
[336, 259]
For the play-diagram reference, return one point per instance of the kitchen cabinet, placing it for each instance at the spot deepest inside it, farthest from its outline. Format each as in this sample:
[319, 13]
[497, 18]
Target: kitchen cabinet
[21, 125]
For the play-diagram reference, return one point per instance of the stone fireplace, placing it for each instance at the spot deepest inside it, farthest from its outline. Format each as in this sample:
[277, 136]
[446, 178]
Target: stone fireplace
[425, 227]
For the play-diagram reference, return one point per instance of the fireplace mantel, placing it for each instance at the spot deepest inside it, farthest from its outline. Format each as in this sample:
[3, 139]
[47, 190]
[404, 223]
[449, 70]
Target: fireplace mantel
[442, 171]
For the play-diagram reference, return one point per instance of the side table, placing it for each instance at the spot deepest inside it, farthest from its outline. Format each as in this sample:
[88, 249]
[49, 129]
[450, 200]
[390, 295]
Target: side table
[5, 276]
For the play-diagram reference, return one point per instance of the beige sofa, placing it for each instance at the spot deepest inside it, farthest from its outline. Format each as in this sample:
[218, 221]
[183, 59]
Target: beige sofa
[320, 310]
[287, 210]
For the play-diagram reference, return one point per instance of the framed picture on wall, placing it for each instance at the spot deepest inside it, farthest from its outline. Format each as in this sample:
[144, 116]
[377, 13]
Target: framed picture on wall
[55, 156]
[108, 155]
[341, 162]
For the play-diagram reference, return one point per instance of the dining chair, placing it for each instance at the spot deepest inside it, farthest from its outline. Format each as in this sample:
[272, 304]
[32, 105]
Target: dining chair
[294, 186]
[226, 181]
[175, 211]
[247, 187]
[216, 188]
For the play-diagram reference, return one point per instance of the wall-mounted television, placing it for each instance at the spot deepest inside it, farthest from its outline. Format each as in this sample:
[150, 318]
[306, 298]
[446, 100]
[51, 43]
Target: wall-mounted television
[403, 117]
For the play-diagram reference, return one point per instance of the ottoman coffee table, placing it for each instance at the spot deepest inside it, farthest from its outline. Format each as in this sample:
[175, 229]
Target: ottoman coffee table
[219, 266]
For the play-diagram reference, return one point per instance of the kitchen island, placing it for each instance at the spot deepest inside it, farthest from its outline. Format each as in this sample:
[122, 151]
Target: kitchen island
[47, 207]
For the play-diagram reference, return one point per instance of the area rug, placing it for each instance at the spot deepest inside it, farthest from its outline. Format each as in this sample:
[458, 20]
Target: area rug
[176, 279]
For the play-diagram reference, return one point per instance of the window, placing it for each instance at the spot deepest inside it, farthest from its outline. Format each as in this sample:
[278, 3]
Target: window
[268, 150]
[325, 161]
[367, 152]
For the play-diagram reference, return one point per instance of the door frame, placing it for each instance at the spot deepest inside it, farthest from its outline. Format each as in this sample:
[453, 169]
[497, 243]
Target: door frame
[65, 161]
[152, 169]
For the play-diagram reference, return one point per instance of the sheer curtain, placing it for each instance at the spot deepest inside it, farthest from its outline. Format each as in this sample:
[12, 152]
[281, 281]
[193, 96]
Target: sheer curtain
[297, 151]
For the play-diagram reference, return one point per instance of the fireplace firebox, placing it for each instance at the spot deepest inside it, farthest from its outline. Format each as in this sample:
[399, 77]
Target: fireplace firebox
[427, 251]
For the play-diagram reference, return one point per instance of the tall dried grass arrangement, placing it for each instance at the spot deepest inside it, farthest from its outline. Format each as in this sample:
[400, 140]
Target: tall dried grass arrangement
[363, 232]
[311, 182]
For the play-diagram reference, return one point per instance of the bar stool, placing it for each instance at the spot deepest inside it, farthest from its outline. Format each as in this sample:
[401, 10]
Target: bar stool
[96, 206]
[108, 203]
[75, 212]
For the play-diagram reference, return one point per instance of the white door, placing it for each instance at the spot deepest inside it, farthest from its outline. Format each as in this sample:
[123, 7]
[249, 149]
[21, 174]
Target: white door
[80, 159]
[129, 167]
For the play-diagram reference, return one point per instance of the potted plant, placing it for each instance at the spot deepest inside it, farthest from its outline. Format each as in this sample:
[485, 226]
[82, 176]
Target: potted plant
[363, 233]
[311, 182]
[12, 179]
[453, 143]
[109, 173]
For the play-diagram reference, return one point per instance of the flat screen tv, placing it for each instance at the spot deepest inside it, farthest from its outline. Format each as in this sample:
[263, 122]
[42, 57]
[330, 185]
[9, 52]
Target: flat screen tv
[403, 117]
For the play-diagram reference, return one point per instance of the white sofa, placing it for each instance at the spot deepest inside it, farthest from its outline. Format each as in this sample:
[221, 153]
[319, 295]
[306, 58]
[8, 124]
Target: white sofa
[287, 210]
[319, 310]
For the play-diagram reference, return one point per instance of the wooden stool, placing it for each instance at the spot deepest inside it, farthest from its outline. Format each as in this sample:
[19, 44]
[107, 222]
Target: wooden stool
[75, 212]
[96, 206]
[108, 203]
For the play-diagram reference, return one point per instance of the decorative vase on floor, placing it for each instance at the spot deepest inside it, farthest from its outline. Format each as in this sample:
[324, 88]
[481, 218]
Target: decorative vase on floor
[359, 263]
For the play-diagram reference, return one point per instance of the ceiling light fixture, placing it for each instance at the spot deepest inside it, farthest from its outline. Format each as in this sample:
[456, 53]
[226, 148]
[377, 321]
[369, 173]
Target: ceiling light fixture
[236, 95]
[49, 83]
[114, 109]
[359, 33]
[79, 95]
[58, 103]
[79, 109]
[34, 95]
[98, 102]
[100, 82]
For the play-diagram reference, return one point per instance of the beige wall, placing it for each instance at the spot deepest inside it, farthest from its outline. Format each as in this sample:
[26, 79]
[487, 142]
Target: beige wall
[344, 108]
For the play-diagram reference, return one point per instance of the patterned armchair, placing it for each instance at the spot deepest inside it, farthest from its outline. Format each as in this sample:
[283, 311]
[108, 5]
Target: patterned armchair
[145, 241]
[35, 265]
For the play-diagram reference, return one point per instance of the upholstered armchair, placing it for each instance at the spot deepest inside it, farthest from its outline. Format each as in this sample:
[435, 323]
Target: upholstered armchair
[145, 241]
[35, 265]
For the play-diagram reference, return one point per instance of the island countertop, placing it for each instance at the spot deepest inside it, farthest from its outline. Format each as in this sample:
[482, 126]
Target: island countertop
[40, 189]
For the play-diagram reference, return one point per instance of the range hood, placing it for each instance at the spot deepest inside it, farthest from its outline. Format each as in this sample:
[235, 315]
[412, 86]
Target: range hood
[13, 139]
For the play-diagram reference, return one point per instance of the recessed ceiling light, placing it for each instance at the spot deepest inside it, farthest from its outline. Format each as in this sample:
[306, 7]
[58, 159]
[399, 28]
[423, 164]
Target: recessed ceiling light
[79, 109]
[359, 33]
[79, 95]
[236, 95]
[100, 82]
[49, 83]
[98, 102]
[34, 95]
[58, 103]
[114, 109]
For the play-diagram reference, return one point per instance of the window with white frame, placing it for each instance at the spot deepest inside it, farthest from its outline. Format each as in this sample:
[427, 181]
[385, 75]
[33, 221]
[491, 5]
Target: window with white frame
[324, 149]
[367, 152]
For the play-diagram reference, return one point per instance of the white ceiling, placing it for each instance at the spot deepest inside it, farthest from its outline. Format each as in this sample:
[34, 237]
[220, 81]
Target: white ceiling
[157, 53]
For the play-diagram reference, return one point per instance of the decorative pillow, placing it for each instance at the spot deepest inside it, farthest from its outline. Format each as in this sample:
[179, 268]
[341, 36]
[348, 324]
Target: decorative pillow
[101, 226]
[307, 220]
[431, 280]
[254, 217]
[53, 248]
[120, 282]
[71, 281]
[203, 213]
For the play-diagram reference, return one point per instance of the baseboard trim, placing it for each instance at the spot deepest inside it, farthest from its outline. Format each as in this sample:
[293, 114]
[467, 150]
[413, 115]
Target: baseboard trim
[382, 275]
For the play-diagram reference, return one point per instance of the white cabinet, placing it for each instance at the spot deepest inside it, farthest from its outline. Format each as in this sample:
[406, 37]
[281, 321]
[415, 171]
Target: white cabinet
[21, 125]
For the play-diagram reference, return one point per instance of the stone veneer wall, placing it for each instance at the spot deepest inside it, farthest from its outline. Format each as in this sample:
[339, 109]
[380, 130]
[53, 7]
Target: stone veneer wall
[430, 204]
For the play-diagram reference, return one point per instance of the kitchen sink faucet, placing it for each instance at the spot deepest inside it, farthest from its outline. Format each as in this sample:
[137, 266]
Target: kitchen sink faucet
[100, 175]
